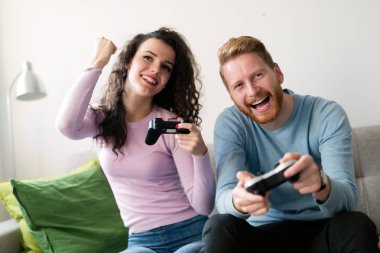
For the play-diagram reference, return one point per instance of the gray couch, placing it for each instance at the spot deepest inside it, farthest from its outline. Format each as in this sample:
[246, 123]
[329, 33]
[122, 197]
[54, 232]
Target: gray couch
[366, 149]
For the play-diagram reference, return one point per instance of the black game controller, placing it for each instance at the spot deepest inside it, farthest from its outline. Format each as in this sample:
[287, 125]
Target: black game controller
[158, 126]
[263, 183]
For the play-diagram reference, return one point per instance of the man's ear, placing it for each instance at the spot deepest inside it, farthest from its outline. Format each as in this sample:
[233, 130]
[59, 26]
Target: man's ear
[278, 72]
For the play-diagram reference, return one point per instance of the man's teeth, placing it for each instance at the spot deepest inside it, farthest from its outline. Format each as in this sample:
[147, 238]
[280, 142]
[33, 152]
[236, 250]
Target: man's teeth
[258, 102]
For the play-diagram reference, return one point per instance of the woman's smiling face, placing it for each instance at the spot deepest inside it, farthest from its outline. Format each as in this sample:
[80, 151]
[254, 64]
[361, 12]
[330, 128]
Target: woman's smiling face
[150, 68]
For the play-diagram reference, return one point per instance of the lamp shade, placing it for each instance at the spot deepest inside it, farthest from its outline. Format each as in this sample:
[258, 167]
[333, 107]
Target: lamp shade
[28, 86]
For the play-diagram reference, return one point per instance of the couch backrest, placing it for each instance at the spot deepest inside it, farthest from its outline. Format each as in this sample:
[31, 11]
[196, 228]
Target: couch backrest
[366, 150]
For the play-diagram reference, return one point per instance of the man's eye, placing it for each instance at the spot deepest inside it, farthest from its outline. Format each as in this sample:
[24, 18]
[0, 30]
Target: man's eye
[237, 86]
[258, 76]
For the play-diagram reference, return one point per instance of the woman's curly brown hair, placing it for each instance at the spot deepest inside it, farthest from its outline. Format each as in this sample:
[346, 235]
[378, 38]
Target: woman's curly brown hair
[180, 95]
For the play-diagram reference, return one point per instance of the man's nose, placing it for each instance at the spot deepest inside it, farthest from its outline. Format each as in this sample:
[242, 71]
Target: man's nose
[252, 89]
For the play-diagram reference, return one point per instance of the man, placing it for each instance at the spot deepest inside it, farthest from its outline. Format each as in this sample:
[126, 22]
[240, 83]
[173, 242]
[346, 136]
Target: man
[268, 125]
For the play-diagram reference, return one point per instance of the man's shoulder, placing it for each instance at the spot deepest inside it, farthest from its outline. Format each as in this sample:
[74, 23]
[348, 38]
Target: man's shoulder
[317, 103]
[231, 112]
[232, 117]
[322, 112]
[232, 124]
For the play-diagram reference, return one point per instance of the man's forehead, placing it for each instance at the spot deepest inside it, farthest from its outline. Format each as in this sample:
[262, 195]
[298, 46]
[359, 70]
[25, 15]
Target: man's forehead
[242, 65]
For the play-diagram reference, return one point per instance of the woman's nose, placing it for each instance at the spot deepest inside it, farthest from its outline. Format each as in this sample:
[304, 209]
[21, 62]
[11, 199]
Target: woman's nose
[155, 69]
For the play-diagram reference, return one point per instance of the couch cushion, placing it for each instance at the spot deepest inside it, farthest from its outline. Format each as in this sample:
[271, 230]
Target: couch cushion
[28, 242]
[9, 237]
[366, 150]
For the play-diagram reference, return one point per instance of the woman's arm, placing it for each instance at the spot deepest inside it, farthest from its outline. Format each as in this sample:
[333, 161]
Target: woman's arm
[75, 119]
[194, 169]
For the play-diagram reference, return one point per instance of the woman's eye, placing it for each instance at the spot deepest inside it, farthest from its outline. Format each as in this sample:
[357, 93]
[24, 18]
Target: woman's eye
[148, 58]
[167, 68]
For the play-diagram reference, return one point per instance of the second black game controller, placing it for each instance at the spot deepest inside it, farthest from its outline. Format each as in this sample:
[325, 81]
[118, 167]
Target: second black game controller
[263, 183]
[158, 126]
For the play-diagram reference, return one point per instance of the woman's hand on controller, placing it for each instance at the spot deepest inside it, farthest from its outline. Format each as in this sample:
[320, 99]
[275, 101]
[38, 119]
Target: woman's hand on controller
[192, 142]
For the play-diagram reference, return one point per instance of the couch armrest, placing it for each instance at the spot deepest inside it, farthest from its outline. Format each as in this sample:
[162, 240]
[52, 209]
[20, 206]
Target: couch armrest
[10, 237]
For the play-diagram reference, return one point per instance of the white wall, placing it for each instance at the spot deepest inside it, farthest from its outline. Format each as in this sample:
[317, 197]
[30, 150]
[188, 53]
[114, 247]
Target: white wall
[325, 48]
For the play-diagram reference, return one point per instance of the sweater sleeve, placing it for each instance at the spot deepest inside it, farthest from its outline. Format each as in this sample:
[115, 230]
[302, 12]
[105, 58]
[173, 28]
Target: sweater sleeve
[197, 179]
[335, 138]
[75, 119]
[230, 158]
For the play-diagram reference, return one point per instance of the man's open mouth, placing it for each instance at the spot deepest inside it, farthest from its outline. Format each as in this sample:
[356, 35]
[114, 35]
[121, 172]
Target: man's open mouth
[261, 103]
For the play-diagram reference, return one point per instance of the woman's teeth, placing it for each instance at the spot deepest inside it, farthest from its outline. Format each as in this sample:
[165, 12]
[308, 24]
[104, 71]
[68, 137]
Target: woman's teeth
[150, 80]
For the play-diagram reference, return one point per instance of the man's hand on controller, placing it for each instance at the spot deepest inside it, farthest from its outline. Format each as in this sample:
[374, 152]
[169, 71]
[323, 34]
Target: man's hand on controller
[309, 180]
[246, 202]
[192, 142]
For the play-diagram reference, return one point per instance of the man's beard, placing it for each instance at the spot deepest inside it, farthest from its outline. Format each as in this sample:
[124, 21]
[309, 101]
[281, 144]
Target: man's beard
[276, 105]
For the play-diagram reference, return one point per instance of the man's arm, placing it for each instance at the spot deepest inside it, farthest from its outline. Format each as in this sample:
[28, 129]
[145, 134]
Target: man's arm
[230, 158]
[335, 138]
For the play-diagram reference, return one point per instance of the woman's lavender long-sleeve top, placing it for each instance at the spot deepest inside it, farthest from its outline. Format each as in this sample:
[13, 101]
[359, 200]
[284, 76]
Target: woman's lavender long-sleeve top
[153, 185]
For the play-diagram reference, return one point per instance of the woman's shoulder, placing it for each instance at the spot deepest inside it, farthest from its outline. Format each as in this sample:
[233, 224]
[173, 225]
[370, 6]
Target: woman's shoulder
[163, 113]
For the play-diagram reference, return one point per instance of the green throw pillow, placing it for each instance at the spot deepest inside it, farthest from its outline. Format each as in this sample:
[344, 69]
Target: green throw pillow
[28, 242]
[73, 214]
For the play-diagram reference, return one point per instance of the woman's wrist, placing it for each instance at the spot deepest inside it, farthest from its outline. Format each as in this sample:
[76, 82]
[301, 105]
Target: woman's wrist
[91, 68]
[98, 64]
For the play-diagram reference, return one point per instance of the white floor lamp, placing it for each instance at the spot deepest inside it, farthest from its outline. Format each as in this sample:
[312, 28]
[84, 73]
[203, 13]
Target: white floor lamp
[28, 87]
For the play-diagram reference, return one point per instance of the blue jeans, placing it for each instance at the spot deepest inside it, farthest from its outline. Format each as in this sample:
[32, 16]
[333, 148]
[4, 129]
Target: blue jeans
[180, 237]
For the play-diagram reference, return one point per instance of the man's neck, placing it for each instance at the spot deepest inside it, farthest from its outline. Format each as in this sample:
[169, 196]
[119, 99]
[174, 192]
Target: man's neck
[284, 114]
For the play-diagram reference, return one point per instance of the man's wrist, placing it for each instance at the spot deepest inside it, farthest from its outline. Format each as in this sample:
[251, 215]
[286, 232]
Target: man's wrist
[324, 181]
[323, 192]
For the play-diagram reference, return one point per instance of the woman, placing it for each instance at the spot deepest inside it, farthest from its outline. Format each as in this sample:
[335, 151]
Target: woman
[164, 191]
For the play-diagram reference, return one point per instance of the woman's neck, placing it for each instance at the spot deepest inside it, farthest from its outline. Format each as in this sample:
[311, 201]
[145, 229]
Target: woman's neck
[137, 108]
